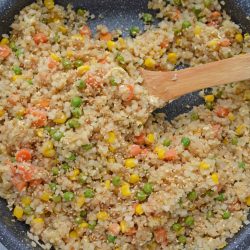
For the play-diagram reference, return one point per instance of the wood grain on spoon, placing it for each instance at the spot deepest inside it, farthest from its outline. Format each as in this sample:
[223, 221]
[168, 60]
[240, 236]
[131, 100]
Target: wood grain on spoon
[171, 84]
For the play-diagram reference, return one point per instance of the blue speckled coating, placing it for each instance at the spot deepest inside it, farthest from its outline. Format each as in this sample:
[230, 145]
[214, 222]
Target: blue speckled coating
[117, 14]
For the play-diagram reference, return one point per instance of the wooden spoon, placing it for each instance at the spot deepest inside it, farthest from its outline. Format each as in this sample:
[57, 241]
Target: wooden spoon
[172, 84]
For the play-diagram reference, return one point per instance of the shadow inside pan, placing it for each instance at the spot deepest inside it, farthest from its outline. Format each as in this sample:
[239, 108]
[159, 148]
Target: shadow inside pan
[116, 14]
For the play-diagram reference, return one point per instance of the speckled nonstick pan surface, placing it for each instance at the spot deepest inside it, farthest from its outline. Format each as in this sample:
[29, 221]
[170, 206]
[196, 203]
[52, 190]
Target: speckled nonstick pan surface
[117, 14]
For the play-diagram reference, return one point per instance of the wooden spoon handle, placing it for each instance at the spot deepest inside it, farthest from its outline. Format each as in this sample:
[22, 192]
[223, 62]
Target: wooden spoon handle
[169, 85]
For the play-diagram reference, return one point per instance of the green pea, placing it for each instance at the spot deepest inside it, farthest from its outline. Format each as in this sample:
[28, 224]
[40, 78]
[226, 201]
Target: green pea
[182, 239]
[120, 59]
[65, 167]
[185, 141]
[57, 198]
[210, 214]
[166, 143]
[134, 31]
[220, 197]
[219, 94]
[209, 105]
[66, 64]
[141, 196]
[76, 102]
[78, 63]
[13, 46]
[83, 213]
[148, 188]
[116, 181]
[55, 170]
[194, 116]
[226, 215]
[186, 24]
[76, 112]
[176, 227]
[242, 165]
[73, 123]
[234, 141]
[113, 82]
[57, 136]
[72, 157]
[89, 193]
[178, 2]
[81, 12]
[207, 3]
[52, 186]
[189, 221]
[210, 193]
[30, 82]
[92, 225]
[56, 38]
[192, 196]
[78, 220]
[82, 178]
[177, 31]
[81, 84]
[27, 210]
[111, 238]
[87, 147]
[19, 52]
[68, 196]
[17, 70]
[147, 18]
[197, 11]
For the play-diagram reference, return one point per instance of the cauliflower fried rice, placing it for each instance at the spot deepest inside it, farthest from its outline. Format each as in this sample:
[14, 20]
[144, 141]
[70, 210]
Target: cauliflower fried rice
[82, 159]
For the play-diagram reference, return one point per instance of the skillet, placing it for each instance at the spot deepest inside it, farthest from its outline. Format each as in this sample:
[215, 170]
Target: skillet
[117, 14]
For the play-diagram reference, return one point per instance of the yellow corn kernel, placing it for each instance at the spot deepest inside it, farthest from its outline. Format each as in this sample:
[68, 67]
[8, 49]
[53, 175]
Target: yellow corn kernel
[111, 45]
[77, 37]
[80, 200]
[84, 225]
[83, 69]
[60, 118]
[150, 139]
[178, 41]
[139, 209]
[16, 77]
[149, 62]
[130, 163]
[50, 153]
[112, 149]
[160, 152]
[213, 44]
[239, 38]
[4, 41]
[247, 95]
[197, 30]
[73, 175]
[248, 201]
[49, 4]
[209, 98]
[18, 212]
[204, 166]
[215, 178]
[38, 220]
[48, 145]
[45, 196]
[240, 130]
[118, 248]
[125, 190]
[2, 111]
[225, 141]
[111, 137]
[122, 43]
[63, 29]
[73, 234]
[107, 184]
[134, 178]
[111, 160]
[55, 57]
[48, 149]
[69, 53]
[26, 200]
[231, 117]
[39, 132]
[152, 245]
[21, 112]
[172, 57]
[123, 226]
[102, 216]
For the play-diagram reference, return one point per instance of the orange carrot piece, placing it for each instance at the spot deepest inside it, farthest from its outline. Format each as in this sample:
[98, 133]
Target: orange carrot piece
[106, 36]
[4, 51]
[23, 155]
[131, 92]
[135, 150]
[36, 182]
[140, 139]
[52, 64]
[225, 43]
[43, 103]
[40, 38]
[170, 155]
[114, 228]
[222, 111]
[160, 235]
[164, 44]
[18, 183]
[41, 117]
[85, 31]
[215, 15]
